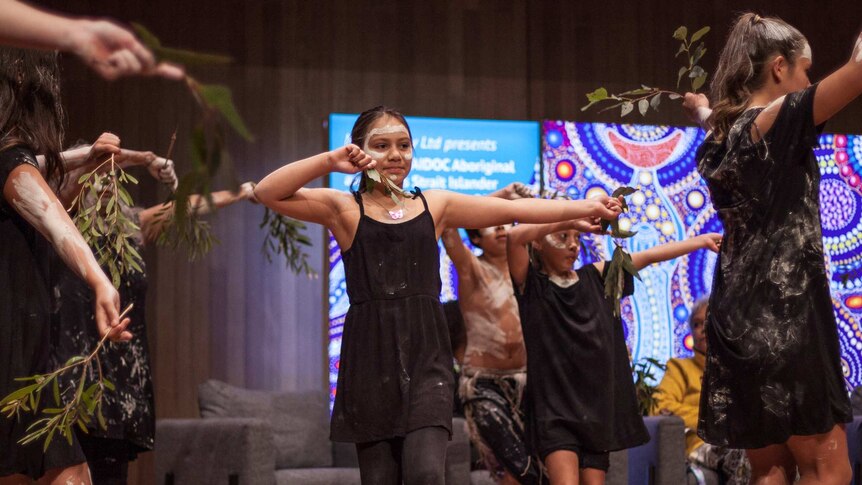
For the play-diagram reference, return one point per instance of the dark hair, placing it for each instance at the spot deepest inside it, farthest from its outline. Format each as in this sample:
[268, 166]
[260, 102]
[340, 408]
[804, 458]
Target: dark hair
[30, 111]
[474, 235]
[751, 44]
[363, 125]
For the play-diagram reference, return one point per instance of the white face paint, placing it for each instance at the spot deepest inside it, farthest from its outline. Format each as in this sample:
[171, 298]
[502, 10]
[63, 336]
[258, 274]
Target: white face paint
[407, 154]
[491, 231]
[558, 240]
[857, 50]
[49, 218]
[806, 52]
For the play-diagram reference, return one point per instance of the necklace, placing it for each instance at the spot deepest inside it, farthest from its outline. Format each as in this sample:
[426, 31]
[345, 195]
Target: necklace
[394, 214]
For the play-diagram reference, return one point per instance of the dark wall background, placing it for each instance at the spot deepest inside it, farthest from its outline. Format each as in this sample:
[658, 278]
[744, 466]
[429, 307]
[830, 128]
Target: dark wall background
[237, 318]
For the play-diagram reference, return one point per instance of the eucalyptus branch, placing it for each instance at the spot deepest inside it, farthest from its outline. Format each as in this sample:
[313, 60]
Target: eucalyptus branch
[208, 148]
[645, 387]
[284, 236]
[84, 404]
[621, 260]
[374, 177]
[647, 97]
[99, 217]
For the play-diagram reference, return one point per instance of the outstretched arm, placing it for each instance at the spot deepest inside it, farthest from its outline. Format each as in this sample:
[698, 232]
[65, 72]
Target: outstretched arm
[283, 190]
[26, 192]
[696, 106]
[523, 234]
[107, 48]
[833, 94]
[152, 218]
[665, 252]
[477, 212]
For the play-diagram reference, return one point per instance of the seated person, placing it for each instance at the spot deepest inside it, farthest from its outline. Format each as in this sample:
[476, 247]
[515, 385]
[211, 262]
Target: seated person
[679, 394]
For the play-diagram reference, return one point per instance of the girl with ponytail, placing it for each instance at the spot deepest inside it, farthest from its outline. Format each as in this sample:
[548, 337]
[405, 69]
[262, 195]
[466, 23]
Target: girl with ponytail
[773, 383]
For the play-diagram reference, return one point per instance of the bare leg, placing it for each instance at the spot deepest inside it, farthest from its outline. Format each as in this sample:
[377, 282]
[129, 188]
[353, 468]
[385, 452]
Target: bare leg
[822, 459]
[508, 479]
[73, 475]
[772, 465]
[562, 467]
[592, 476]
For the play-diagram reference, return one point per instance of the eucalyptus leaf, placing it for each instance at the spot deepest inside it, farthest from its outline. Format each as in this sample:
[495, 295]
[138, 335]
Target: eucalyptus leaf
[699, 34]
[626, 108]
[220, 98]
[680, 33]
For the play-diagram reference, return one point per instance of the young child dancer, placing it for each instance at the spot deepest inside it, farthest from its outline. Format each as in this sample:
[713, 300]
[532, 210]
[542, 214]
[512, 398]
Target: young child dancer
[580, 401]
[493, 374]
[395, 389]
[773, 382]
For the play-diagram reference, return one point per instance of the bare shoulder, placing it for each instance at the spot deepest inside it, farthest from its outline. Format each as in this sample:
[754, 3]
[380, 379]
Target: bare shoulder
[766, 119]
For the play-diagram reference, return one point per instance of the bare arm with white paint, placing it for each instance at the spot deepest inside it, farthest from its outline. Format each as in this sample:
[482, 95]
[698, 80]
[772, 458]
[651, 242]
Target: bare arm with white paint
[671, 250]
[27, 193]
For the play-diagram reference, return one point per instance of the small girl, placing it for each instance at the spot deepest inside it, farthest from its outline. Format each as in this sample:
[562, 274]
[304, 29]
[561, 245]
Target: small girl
[395, 386]
[580, 401]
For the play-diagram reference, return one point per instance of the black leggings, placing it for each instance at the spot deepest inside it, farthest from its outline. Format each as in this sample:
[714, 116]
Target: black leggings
[108, 459]
[417, 459]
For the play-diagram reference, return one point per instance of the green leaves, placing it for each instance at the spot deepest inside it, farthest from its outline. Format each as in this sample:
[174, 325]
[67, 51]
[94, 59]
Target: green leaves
[100, 218]
[621, 261]
[695, 53]
[285, 236]
[82, 401]
[646, 383]
[645, 97]
[179, 56]
[219, 98]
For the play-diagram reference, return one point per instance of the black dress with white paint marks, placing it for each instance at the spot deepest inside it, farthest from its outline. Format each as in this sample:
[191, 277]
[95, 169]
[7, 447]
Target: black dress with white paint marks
[773, 366]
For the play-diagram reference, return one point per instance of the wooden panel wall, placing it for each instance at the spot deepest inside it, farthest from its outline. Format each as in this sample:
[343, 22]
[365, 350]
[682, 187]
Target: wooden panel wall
[233, 316]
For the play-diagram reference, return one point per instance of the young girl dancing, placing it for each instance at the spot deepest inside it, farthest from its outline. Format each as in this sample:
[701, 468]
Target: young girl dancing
[773, 382]
[395, 389]
[30, 219]
[580, 401]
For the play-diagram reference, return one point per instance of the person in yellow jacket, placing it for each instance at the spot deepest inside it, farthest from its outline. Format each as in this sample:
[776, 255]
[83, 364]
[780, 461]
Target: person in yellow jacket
[679, 394]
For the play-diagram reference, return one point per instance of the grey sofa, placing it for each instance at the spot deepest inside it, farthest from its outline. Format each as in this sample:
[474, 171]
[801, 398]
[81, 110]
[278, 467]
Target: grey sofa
[247, 437]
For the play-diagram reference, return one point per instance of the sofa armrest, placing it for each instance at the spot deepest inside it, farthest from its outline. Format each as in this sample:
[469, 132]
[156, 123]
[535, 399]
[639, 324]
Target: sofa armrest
[458, 454]
[214, 450]
[663, 457]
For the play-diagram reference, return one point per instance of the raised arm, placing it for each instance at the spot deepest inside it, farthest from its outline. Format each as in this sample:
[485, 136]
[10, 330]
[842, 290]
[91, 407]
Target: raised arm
[833, 93]
[152, 218]
[28, 194]
[665, 252]
[107, 48]
[283, 190]
[523, 234]
[475, 212]
[458, 252]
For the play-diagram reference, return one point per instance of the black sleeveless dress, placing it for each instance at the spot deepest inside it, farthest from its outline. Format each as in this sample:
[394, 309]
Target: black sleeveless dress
[25, 331]
[773, 365]
[129, 411]
[395, 374]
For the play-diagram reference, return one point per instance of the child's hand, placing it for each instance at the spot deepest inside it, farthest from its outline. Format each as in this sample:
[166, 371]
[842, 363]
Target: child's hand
[711, 241]
[696, 107]
[607, 207]
[349, 159]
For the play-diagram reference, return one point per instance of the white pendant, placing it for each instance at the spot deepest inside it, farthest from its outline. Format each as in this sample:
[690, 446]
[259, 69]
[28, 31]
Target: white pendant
[395, 215]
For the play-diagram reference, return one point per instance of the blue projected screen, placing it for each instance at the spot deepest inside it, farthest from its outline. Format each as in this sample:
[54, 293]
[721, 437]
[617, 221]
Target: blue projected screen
[468, 156]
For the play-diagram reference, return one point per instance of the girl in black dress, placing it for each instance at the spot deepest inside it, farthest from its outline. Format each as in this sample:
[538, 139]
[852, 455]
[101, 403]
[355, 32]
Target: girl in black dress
[32, 220]
[395, 387]
[580, 401]
[773, 383]
[130, 410]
